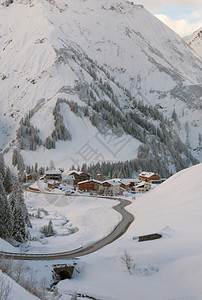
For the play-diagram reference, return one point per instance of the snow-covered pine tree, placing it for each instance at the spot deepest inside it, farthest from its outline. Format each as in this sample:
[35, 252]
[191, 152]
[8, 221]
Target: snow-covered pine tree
[20, 213]
[8, 181]
[48, 230]
[21, 201]
[6, 218]
[51, 165]
[120, 175]
[2, 166]
[19, 227]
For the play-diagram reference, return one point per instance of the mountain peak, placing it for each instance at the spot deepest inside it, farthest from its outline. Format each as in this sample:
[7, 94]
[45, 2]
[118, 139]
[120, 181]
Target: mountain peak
[80, 68]
[195, 40]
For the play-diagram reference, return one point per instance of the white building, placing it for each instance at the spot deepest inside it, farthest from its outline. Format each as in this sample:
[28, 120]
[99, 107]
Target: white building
[68, 179]
[142, 187]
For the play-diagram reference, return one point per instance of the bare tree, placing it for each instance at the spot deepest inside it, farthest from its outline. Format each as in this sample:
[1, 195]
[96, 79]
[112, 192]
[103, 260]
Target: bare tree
[5, 288]
[127, 261]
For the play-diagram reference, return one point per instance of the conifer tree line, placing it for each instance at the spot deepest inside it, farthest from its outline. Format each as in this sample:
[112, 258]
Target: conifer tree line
[164, 144]
[129, 168]
[28, 135]
[60, 132]
[14, 217]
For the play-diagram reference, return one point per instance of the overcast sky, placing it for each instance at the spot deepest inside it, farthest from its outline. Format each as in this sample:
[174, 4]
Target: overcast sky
[183, 16]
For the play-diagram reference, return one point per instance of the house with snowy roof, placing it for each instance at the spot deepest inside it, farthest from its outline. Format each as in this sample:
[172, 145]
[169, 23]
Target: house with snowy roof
[79, 176]
[148, 176]
[128, 183]
[111, 187]
[89, 185]
[53, 175]
[142, 187]
[68, 179]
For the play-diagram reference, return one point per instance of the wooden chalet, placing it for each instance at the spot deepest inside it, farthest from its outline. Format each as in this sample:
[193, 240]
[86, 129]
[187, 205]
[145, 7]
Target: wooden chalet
[110, 187]
[148, 177]
[79, 176]
[128, 184]
[53, 175]
[89, 185]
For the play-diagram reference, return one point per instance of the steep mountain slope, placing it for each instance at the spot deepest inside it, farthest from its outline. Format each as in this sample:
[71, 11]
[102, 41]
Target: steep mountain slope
[59, 59]
[195, 41]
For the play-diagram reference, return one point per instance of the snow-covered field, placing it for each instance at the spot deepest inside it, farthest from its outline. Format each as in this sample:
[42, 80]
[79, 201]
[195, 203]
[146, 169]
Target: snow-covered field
[77, 220]
[167, 268]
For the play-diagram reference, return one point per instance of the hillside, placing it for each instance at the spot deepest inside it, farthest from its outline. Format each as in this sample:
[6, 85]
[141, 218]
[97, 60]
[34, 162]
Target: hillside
[93, 73]
[167, 268]
[195, 41]
[16, 292]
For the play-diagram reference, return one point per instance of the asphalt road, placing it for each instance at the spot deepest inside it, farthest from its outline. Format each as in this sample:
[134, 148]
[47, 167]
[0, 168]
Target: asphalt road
[118, 231]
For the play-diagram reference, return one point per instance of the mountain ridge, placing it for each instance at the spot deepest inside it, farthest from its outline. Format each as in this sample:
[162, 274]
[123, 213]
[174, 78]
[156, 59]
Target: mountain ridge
[195, 41]
[86, 53]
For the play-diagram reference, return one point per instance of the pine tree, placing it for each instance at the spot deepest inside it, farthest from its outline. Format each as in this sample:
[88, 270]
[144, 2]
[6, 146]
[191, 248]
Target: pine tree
[48, 230]
[20, 213]
[52, 166]
[2, 166]
[120, 175]
[6, 220]
[8, 181]
[15, 157]
[19, 231]
[114, 175]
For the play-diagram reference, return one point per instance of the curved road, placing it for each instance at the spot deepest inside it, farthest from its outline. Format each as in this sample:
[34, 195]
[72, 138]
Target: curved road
[118, 231]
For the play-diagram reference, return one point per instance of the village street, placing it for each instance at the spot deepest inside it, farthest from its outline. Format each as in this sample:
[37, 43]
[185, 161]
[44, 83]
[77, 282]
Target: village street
[118, 231]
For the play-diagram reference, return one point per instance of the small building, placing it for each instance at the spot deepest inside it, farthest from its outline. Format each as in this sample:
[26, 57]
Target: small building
[110, 187]
[51, 184]
[148, 176]
[89, 185]
[79, 176]
[99, 177]
[128, 184]
[142, 187]
[68, 179]
[53, 175]
[29, 177]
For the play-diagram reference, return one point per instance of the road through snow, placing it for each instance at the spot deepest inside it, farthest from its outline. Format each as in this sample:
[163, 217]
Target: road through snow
[119, 230]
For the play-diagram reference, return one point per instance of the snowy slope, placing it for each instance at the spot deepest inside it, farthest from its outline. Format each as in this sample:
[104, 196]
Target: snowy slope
[195, 41]
[61, 48]
[167, 268]
[17, 292]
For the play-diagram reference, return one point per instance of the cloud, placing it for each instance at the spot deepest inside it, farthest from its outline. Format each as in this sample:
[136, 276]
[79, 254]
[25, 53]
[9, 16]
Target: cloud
[183, 16]
[183, 26]
[156, 4]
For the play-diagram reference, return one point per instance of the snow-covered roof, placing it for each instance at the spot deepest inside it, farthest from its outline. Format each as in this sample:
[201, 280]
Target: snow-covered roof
[142, 184]
[53, 172]
[77, 172]
[52, 181]
[67, 176]
[86, 181]
[114, 182]
[127, 181]
[147, 174]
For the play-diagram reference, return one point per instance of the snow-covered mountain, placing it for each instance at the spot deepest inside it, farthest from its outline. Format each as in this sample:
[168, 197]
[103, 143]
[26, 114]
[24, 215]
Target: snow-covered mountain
[195, 41]
[89, 73]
